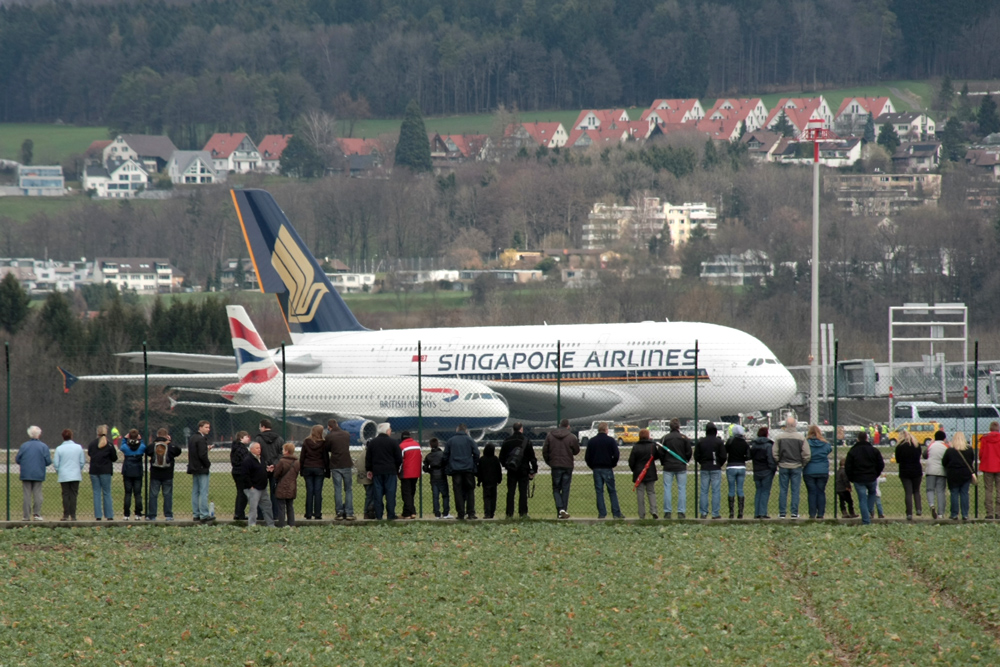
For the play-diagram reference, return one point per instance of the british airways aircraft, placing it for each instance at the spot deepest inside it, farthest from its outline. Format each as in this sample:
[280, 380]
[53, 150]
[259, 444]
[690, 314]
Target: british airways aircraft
[611, 372]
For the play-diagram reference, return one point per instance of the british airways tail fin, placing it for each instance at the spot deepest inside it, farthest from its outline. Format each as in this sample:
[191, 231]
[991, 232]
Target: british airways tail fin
[285, 267]
[254, 364]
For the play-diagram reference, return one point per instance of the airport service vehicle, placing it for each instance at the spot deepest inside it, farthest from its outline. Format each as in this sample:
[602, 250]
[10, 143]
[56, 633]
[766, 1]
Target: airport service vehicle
[609, 372]
[923, 432]
[625, 434]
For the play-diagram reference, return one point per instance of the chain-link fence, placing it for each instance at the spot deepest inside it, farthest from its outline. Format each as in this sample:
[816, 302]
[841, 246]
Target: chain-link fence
[636, 382]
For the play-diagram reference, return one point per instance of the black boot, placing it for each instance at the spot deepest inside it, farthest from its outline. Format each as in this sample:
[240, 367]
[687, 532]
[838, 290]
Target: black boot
[731, 507]
[739, 515]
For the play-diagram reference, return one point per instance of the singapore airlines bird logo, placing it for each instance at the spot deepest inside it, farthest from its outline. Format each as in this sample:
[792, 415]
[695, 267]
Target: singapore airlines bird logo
[304, 294]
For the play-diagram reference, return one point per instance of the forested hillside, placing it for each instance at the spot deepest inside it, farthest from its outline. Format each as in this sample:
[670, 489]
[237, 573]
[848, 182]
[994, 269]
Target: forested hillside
[191, 68]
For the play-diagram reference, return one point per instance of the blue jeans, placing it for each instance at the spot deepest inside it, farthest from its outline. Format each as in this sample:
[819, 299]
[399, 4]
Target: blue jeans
[711, 478]
[199, 496]
[102, 491]
[816, 494]
[561, 479]
[343, 498]
[602, 477]
[763, 495]
[866, 499]
[734, 481]
[385, 485]
[440, 492]
[960, 496]
[155, 486]
[788, 476]
[681, 477]
[314, 492]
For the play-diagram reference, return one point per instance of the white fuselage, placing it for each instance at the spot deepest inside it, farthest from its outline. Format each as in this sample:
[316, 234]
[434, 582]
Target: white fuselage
[608, 371]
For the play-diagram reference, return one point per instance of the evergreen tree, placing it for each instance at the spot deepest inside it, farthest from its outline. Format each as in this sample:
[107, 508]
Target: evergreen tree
[711, 158]
[743, 130]
[239, 275]
[783, 127]
[27, 151]
[57, 324]
[698, 249]
[14, 303]
[869, 135]
[989, 119]
[888, 138]
[952, 146]
[300, 159]
[946, 95]
[413, 149]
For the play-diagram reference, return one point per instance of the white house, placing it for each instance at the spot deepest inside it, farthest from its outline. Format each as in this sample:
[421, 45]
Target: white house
[146, 275]
[193, 167]
[151, 151]
[909, 125]
[271, 147]
[750, 111]
[41, 180]
[685, 218]
[233, 152]
[591, 119]
[40, 276]
[853, 114]
[122, 180]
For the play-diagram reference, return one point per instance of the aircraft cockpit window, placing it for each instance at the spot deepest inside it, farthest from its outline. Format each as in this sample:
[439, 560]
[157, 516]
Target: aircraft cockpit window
[467, 397]
[752, 362]
[771, 361]
[487, 395]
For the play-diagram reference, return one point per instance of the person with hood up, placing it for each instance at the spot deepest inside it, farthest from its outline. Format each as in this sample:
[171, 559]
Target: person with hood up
[645, 452]
[102, 454]
[69, 461]
[816, 473]
[559, 450]
[434, 466]
[864, 465]
[409, 473]
[910, 472]
[490, 475]
[737, 455]
[133, 449]
[791, 451]
[764, 467]
[710, 454]
[162, 454]
[989, 467]
[675, 469]
[315, 466]
[461, 461]
[936, 480]
[286, 481]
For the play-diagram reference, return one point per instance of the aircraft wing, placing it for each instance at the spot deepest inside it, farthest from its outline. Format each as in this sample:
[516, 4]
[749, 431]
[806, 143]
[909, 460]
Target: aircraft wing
[212, 363]
[267, 409]
[531, 402]
[177, 380]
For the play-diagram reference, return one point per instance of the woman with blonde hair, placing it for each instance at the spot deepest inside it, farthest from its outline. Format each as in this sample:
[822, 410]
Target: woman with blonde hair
[910, 472]
[102, 454]
[817, 472]
[958, 464]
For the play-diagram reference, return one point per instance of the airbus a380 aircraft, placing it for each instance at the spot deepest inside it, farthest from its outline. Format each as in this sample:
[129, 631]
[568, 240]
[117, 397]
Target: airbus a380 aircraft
[609, 371]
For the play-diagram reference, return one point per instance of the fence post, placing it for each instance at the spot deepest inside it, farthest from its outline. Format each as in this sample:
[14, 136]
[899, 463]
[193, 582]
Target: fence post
[975, 435]
[836, 432]
[558, 382]
[697, 374]
[6, 348]
[420, 421]
[145, 459]
[284, 395]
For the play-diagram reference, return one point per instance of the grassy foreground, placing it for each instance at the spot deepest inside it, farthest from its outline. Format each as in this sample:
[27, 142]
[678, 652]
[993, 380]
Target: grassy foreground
[509, 593]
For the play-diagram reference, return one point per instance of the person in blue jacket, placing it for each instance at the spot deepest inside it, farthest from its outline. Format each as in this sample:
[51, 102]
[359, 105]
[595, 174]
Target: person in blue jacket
[34, 457]
[133, 449]
[817, 472]
[69, 461]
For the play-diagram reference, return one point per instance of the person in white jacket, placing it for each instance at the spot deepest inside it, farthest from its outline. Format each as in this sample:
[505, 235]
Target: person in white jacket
[934, 472]
[69, 461]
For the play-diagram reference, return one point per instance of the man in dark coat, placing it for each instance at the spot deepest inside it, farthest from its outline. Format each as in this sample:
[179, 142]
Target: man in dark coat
[675, 469]
[383, 460]
[602, 457]
[257, 475]
[461, 461]
[710, 454]
[863, 466]
[339, 442]
[559, 450]
[198, 468]
[162, 456]
[270, 451]
[525, 471]
[434, 466]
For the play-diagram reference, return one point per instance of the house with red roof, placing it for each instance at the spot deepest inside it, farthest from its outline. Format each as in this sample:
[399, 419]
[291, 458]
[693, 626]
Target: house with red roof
[270, 148]
[601, 136]
[691, 108]
[725, 129]
[749, 110]
[550, 135]
[362, 147]
[591, 119]
[233, 152]
[800, 111]
[456, 148]
[669, 116]
[853, 113]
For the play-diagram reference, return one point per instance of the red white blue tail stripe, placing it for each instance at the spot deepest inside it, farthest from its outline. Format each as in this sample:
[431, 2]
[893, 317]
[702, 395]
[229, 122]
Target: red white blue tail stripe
[254, 364]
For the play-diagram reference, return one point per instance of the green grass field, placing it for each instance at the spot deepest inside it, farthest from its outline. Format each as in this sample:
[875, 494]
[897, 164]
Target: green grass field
[53, 143]
[509, 593]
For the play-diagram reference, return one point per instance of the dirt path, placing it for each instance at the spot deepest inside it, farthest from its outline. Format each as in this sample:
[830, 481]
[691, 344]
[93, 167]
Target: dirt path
[916, 104]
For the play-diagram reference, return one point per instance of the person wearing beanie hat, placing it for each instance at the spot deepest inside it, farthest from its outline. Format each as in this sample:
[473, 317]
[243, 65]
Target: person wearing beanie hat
[737, 455]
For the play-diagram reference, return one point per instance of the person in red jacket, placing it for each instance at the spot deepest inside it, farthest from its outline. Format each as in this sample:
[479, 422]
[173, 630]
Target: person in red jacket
[409, 473]
[989, 465]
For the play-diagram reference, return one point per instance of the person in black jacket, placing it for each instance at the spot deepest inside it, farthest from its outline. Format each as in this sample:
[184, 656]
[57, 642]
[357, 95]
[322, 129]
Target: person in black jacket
[434, 466]
[162, 454]
[710, 454]
[737, 455]
[863, 466]
[490, 474]
[238, 452]
[910, 472]
[198, 468]
[102, 454]
[270, 452]
[133, 450]
[764, 467]
[518, 475]
[645, 452]
[958, 464]
[383, 460]
[256, 474]
[678, 451]
[601, 457]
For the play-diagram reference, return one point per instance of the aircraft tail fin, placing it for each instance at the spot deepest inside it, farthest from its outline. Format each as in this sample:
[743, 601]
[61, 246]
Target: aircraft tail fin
[286, 267]
[68, 379]
[254, 364]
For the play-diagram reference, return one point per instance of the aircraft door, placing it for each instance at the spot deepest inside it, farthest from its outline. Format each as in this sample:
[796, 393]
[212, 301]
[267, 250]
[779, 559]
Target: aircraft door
[383, 353]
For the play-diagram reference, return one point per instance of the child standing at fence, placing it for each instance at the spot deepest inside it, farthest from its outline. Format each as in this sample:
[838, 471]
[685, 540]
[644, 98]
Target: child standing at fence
[878, 495]
[490, 475]
[843, 486]
[286, 482]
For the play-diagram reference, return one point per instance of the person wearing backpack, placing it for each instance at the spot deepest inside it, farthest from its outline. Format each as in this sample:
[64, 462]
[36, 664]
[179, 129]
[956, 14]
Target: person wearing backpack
[490, 474]
[132, 449]
[434, 466]
[601, 457]
[518, 457]
[238, 452]
[162, 455]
